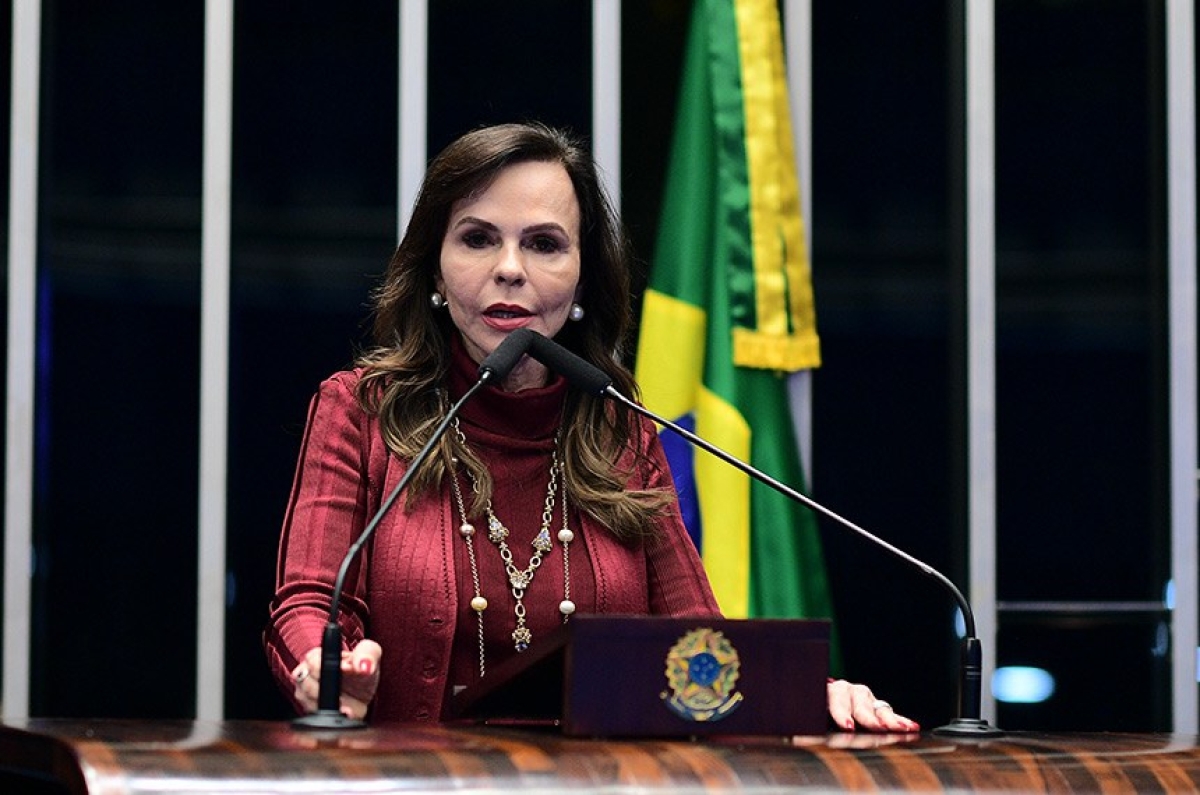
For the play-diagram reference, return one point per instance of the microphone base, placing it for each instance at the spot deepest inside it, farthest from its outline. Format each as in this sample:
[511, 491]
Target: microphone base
[327, 719]
[968, 727]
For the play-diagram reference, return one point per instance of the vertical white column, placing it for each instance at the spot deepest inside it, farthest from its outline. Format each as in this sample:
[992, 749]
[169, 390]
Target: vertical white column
[981, 330]
[22, 340]
[606, 94]
[797, 43]
[214, 357]
[413, 105]
[1181, 278]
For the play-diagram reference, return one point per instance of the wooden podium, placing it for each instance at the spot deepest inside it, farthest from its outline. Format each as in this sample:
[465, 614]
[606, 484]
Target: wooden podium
[106, 757]
[640, 676]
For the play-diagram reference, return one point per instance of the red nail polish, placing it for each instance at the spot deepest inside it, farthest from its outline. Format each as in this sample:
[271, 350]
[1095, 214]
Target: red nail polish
[365, 666]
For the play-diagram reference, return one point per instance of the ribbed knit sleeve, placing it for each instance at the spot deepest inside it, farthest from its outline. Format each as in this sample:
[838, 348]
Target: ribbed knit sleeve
[325, 515]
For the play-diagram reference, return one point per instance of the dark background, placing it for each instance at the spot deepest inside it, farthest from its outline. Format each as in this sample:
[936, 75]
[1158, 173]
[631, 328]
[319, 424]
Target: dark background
[1081, 431]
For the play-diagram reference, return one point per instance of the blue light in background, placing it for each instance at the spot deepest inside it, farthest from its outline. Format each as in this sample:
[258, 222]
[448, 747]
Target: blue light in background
[1020, 684]
[1162, 640]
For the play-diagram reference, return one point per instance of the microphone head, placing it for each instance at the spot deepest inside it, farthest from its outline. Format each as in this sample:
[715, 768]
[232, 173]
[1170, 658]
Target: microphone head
[582, 375]
[499, 363]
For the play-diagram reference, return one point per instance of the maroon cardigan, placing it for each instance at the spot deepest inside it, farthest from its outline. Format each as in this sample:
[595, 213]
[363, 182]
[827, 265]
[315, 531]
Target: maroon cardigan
[411, 589]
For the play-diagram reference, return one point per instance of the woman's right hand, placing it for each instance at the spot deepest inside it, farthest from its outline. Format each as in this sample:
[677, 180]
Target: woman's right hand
[360, 679]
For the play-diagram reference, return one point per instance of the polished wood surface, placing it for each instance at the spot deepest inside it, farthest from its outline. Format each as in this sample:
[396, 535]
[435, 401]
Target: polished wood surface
[109, 757]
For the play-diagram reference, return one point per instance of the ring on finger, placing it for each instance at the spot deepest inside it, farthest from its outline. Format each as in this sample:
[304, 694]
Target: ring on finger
[880, 704]
[301, 675]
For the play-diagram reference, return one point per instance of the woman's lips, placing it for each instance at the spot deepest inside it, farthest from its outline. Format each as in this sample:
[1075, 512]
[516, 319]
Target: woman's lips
[505, 317]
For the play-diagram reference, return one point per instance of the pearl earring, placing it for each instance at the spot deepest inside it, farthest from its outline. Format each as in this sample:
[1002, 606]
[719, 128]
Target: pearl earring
[576, 312]
[436, 300]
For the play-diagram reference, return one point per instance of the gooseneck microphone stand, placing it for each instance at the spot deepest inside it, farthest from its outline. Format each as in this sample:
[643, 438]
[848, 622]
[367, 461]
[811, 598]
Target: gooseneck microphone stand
[495, 367]
[590, 379]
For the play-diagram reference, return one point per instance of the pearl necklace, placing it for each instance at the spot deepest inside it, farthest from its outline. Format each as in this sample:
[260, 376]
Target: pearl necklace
[518, 579]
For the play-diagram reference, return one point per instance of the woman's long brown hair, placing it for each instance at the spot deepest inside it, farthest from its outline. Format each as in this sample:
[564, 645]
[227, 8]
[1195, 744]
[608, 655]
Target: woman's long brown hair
[406, 371]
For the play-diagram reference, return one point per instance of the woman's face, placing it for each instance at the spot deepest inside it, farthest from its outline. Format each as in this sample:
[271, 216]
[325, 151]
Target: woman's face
[510, 259]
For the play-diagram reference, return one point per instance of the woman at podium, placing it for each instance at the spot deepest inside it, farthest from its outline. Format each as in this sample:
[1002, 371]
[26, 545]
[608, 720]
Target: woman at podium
[539, 502]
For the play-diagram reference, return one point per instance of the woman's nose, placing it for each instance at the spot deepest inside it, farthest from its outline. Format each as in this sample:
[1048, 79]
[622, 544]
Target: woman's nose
[510, 268]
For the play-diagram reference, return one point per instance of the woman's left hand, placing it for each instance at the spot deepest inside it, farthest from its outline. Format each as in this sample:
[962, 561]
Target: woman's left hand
[854, 706]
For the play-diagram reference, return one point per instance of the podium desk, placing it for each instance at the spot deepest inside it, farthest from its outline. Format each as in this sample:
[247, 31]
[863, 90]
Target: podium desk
[111, 756]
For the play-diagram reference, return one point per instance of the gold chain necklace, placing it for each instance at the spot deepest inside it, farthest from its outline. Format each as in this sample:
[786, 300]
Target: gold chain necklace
[518, 579]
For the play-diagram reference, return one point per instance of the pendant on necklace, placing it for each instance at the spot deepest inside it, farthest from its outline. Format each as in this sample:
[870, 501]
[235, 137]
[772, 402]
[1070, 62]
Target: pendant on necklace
[497, 532]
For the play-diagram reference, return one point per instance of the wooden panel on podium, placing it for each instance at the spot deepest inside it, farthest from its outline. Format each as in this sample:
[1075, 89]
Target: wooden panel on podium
[639, 676]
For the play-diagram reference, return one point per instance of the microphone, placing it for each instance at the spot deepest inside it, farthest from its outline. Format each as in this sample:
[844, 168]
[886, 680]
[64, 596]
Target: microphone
[495, 367]
[592, 380]
[499, 363]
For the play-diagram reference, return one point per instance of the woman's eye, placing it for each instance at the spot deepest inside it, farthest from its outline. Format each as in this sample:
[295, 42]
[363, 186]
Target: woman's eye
[476, 239]
[544, 244]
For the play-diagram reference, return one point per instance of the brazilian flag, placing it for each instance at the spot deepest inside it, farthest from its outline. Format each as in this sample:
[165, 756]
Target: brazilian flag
[729, 313]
